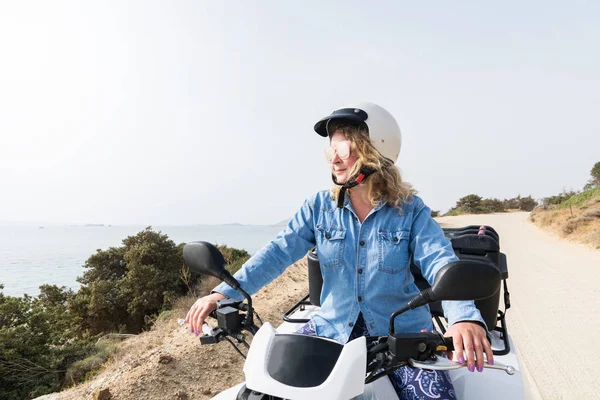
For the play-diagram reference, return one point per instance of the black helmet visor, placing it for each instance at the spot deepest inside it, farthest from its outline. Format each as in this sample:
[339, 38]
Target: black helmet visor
[351, 116]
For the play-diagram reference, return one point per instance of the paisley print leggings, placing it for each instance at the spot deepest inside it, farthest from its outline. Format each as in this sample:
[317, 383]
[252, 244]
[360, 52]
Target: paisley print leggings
[410, 383]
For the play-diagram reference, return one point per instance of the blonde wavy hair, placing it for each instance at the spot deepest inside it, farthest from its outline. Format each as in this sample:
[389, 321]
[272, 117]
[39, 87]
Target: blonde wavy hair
[383, 185]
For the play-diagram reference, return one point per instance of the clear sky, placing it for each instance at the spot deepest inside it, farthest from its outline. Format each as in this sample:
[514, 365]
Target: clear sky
[186, 112]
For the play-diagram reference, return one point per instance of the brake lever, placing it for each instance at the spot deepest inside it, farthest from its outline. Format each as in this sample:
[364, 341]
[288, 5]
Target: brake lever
[443, 364]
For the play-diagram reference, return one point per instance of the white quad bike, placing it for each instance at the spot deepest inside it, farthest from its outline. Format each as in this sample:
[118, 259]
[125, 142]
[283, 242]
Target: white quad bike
[281, 364]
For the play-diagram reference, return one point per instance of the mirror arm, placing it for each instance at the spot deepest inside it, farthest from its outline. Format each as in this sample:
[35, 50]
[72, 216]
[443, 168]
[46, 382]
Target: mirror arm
[425, 297]
[393, 317]
[226, 277]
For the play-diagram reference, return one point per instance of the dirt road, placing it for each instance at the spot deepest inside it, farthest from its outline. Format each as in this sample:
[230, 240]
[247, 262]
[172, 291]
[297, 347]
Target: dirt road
[555, 296]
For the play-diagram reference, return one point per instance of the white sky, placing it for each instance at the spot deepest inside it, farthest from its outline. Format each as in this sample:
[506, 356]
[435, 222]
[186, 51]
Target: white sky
[186, 112]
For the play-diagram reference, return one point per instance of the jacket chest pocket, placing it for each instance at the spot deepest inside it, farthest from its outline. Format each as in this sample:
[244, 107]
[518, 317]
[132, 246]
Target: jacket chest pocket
[393, 251]
[330, 246]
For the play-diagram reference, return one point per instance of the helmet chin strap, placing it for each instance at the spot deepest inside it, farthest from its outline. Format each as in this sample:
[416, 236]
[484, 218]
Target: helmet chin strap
[352, 182]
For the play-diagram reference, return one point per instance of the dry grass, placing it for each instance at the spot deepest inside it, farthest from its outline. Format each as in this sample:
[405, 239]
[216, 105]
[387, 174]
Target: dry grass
[579, 223]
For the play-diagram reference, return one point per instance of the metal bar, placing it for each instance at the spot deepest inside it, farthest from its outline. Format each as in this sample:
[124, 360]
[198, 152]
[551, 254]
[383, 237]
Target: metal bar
[302, 302]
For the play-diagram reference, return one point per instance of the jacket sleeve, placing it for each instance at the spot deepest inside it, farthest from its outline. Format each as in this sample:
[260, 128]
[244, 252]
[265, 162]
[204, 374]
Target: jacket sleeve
[431, 251]
[290, 245]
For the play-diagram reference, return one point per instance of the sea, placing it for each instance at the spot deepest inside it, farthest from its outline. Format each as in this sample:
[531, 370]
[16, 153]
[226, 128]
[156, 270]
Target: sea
[34, 255]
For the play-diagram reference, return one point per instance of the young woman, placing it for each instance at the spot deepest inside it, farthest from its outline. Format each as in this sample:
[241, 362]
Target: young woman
[366, 229]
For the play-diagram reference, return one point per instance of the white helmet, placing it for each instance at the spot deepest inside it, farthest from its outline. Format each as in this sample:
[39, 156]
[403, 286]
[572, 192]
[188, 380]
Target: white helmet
[383, 129]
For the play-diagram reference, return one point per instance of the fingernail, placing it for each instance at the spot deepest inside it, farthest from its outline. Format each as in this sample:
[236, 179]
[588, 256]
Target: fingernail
[480, 368]
[491, 362]
[461, 360]
[472, 368]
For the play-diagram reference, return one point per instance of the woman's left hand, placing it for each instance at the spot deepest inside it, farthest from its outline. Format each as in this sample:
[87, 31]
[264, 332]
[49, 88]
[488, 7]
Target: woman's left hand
[470, 337]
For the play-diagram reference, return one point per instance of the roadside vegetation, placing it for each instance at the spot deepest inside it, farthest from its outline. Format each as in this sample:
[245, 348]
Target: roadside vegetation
[51, 342]
[573, 214]
[475, 204]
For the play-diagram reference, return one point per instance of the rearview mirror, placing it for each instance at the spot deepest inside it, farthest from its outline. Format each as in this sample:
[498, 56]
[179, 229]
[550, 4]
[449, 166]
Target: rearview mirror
[465, 280]
[204, 258]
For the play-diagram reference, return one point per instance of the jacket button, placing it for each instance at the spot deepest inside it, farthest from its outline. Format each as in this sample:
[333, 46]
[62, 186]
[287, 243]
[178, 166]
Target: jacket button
[359, 298]
[327, 236]
[362, 243]
[395, 239]
[350, 324]
[360, 270]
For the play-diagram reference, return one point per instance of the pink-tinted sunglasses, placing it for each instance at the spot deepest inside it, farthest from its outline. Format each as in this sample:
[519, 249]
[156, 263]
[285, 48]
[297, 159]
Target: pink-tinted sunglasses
[342, 150]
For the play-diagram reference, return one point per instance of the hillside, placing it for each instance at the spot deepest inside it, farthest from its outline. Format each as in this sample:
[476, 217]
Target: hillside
[169, 363]
[576, 219]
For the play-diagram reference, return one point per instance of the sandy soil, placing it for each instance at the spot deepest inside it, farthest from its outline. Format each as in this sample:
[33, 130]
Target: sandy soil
[555, 293]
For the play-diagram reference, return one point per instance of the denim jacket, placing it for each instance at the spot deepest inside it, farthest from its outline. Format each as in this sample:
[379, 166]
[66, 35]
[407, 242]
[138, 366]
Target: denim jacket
[365, 266]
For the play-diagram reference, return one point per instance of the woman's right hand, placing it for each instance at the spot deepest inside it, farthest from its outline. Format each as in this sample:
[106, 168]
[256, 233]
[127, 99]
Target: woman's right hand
[200, 310]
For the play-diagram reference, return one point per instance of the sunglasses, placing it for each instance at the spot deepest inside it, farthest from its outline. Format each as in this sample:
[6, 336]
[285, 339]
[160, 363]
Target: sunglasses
[342, 150]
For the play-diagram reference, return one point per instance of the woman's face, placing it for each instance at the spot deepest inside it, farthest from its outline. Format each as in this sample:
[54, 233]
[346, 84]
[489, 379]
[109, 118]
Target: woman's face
[340, 168]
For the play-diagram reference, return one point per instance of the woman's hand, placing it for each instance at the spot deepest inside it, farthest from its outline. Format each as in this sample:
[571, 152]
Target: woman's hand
[470, 337]
[200, 310]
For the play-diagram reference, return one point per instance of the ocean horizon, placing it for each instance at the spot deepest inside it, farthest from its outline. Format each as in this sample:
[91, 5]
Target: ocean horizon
[34, 254]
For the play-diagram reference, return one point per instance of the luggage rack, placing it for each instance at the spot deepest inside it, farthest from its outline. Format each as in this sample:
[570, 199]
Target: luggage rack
[301, 305]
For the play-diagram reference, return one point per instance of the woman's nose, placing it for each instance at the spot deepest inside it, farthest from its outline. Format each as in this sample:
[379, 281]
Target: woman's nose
[336, 159]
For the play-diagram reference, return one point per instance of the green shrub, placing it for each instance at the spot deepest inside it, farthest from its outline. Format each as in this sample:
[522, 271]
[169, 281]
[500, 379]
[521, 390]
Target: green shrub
[492, 205]
[164, 315]
[123, 286]
[47, 342]
[470, 204]
[581, 198]
[558, 199]
[527, 203]
[83, 369]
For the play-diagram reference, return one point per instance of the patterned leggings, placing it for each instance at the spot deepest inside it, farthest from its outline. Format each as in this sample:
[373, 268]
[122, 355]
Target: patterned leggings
[410, 383]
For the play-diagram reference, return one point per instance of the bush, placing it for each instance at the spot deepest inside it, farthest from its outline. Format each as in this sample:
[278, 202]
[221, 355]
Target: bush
[122, 286]
[470, 204]
[595, 180]
[558, 199]
[48, 342]
[492, 205]
[83, 369]
[36, 343]
[527, 203]
[581, 198]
